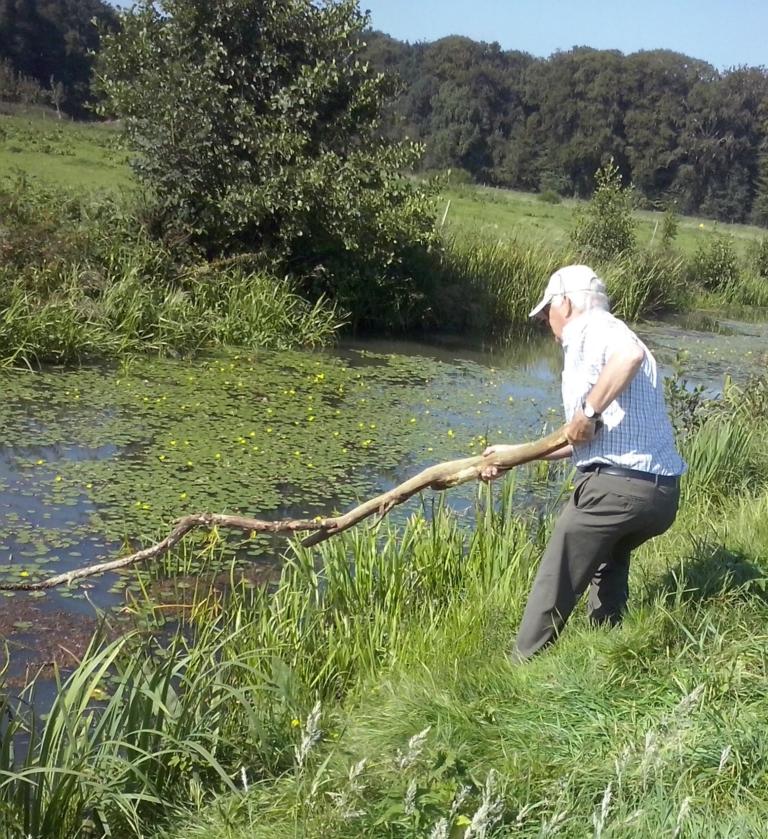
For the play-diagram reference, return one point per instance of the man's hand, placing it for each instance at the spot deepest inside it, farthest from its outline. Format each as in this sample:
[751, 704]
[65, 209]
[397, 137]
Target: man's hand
[580, 429]
[490, 473]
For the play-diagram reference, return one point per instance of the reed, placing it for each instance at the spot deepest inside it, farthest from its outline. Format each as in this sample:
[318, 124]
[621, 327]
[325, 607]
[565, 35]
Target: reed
[500, 282]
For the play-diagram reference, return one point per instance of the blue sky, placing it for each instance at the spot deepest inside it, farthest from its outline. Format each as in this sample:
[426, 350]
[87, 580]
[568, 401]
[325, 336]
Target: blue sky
[724, 32]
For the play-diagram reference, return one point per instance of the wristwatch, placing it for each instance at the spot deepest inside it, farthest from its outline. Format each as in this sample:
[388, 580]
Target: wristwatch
[589, 412]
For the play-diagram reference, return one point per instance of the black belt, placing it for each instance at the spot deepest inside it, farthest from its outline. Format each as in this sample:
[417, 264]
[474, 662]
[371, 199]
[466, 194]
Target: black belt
[637, 474]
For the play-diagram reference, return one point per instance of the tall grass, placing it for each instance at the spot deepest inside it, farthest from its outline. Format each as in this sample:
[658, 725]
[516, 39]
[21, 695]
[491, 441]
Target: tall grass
[132, 315]
[651, 729]
[138, 725]
[644, 284]
[83, 279]
[128, 733]
[491, 285]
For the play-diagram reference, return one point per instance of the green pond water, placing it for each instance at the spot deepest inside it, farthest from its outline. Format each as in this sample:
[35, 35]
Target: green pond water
[96, 460]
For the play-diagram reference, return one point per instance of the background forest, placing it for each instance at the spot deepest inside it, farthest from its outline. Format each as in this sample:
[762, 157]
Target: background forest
[678, 129]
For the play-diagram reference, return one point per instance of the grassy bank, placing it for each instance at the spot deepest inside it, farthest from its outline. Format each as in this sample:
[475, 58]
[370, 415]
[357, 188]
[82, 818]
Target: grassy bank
[369, 694]
[82, 279]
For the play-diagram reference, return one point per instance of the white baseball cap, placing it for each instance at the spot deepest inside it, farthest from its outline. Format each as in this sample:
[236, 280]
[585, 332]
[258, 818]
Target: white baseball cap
[568, 279]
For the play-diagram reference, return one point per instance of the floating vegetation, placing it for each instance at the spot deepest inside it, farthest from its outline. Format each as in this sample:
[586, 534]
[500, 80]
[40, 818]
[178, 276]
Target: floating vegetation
[97, 457]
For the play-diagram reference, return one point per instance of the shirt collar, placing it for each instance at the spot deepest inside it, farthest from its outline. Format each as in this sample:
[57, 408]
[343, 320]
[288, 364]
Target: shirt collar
[575, 327]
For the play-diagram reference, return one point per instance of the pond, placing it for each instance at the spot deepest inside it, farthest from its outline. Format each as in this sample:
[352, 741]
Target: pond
[96, 460]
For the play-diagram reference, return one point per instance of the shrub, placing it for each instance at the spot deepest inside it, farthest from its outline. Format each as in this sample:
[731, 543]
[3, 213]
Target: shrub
[715, 265]
[758, 257]
[549, 196]
[606, 228]
[459, 177]
[551, 181]
[669, 227]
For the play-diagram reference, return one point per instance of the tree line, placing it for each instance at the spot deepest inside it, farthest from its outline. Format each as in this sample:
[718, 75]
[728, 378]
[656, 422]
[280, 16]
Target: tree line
[47, 50]
[679, 130]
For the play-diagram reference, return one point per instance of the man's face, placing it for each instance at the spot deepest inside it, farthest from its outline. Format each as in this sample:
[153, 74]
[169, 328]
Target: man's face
[557, 314]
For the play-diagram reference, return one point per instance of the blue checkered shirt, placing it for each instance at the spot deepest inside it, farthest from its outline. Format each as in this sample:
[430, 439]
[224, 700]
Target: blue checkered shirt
[636, 433]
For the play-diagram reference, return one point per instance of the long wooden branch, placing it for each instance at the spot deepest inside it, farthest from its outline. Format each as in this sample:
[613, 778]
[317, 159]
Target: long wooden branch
[442, 476]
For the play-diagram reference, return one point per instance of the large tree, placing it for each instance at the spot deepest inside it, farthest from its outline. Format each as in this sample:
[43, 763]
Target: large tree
[257, 127]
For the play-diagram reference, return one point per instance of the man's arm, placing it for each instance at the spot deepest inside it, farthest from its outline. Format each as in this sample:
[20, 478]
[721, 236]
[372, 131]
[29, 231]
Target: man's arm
[492, 472]
[559, 454]
[621, 368]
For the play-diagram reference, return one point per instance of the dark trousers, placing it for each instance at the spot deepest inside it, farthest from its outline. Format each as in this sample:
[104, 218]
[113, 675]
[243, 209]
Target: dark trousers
[606, 518]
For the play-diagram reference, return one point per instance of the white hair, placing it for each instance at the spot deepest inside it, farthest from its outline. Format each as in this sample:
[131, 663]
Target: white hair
[586, 300]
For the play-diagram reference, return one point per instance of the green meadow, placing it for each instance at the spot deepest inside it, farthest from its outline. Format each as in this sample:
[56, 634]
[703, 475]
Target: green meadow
[523, 217]
[80, 156]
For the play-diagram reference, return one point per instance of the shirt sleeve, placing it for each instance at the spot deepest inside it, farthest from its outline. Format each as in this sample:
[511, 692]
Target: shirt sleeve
[600, 344]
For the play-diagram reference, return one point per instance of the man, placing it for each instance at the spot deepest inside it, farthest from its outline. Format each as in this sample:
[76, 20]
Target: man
[622, 443]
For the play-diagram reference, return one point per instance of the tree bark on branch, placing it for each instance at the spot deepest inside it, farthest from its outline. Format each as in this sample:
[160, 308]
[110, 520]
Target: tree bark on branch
[442, 476]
